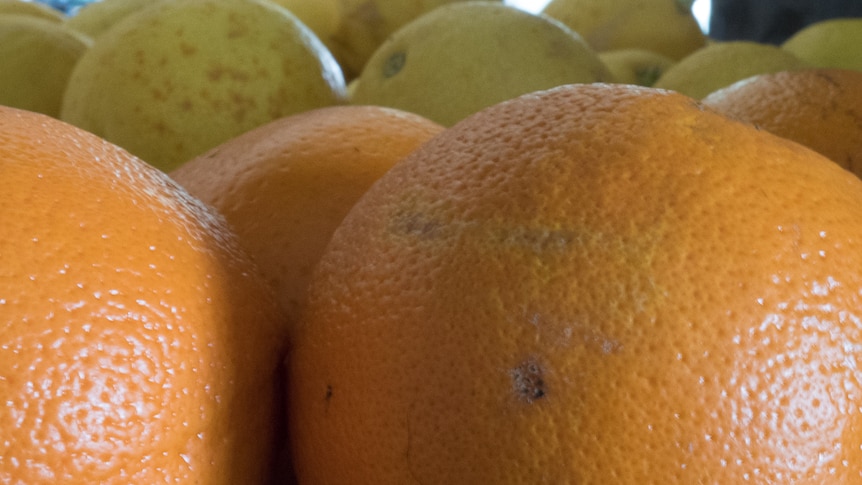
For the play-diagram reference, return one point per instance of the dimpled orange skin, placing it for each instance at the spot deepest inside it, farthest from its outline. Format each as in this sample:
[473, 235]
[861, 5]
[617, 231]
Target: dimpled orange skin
[137, 344]
[592, 284]
[285, 186]
[819, 108]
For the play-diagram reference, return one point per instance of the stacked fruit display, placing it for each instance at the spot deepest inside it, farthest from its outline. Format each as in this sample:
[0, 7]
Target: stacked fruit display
[426, 241]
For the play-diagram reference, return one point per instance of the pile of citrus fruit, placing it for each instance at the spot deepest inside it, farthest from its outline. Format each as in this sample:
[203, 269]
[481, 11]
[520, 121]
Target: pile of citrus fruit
[441, 241]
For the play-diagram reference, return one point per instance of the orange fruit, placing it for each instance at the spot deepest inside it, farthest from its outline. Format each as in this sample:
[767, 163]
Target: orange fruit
[820, 108]
[285, 186]
[137, 344]
[590, 284]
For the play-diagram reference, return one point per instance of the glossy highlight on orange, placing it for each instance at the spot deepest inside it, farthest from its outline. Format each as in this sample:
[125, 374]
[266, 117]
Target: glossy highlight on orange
[137, 342]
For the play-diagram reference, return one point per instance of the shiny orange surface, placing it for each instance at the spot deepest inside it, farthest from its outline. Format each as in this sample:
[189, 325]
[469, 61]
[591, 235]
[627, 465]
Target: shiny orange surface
[136, 343]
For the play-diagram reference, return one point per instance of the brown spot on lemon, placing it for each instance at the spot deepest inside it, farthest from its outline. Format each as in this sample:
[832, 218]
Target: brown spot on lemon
[188, 50]
[394, 64]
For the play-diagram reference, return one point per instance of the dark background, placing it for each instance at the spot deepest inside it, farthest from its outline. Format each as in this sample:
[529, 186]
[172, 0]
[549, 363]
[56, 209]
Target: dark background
[773, 21]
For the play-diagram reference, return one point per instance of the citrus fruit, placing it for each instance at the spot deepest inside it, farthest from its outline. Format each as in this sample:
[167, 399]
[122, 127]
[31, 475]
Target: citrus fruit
[667, 27]
[38, 56]
[819, 108]
[445, 65]
[33, 9]
[636, 66]
[721, 64]
[321, 16]
[597, 283]
[363, 25]
[285, 186]
[829, 43]
[172, 80]
[137, 344]
[95, 18]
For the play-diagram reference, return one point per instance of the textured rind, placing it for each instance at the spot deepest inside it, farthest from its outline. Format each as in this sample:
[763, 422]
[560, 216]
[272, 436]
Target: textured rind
[588, 284]
[285, 186]
[137, 342]
[818, 107]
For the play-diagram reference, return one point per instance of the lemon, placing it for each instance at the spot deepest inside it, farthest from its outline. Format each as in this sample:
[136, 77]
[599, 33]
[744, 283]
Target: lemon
[34, 9]
[365, 24]
[37, 57]
[636, 66]
[321, 16]
[829, 43]
[351, 87]
[95, 18]
[460, 58]
[667, 27]
[177, 78]
[721, 64]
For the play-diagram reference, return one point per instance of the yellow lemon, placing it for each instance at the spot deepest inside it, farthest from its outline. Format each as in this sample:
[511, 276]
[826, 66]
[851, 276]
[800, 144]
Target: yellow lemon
[829, 43]
[460, 58]
[667, 27]
[365, 24]
[37, 57]
[173, 80]
[95, 18]
[321, 16]
[721, 64]
[34, 9]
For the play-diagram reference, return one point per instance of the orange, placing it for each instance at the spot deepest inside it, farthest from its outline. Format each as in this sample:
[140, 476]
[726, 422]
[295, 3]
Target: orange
[136, 343]
[591, 284]
[284, 187]
[820, 108]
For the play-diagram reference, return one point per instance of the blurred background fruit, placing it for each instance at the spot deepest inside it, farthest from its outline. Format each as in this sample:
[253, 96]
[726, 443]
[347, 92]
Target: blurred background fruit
[177, 78]
[138, 343]
[35, 9]
[667, 27]
[365, 24]
[37, 56]
[580, 280]
[444, 65]
[323, 17]
[819, 108]
[93, 19]
[285, 186]
[829, 43]
[721, 64]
